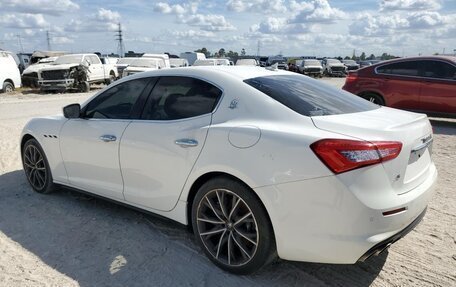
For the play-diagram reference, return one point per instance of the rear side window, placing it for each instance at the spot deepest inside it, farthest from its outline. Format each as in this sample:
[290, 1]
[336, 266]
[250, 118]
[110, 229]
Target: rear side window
[440, 70]
[409, 68]
[309, 97]
[181, 97]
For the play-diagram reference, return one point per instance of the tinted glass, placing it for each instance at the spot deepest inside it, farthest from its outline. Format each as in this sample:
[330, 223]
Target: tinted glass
[117, 102]
[309, 97]
[181, 97]
[409, 68]
[440, 70]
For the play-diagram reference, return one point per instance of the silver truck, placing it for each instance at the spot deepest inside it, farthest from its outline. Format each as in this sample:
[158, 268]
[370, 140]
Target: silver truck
[310, 67]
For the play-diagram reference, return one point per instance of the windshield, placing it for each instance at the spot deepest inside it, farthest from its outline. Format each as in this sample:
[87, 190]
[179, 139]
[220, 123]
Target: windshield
[144, 63]
[277, 61]
[204, 63]
[333, 61]
[309, 97]
[312, 62]
[47, 60]
[246, 62]
[350, 62]
[68, 59]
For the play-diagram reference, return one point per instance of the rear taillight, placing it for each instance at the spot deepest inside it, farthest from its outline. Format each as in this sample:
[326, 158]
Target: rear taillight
[352, 76]
[343, 155]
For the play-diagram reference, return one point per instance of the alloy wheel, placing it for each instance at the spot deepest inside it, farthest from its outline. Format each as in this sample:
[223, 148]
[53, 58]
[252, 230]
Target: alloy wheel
[34, 166]
[227, 227]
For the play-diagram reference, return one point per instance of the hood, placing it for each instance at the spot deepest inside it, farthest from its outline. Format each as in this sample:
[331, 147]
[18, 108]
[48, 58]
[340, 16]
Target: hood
[335, 65]
[59, 67]
[313, 66]
[35, 68]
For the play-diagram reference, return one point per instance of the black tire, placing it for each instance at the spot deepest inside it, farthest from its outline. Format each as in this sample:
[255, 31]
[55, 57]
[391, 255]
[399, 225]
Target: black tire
[36, 167]
[373, 98]
[84, 87]
[250, 237]
[7, 87]
[112, 78]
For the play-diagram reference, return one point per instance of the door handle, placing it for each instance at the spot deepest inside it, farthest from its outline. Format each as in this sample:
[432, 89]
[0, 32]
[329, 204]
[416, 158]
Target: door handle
[186, 142]
[108, 138]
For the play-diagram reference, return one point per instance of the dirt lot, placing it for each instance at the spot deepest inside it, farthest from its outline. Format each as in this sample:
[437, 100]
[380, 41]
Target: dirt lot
[67, 239]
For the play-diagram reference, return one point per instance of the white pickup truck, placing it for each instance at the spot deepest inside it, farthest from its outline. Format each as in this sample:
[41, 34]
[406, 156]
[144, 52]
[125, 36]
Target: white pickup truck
[76, 72]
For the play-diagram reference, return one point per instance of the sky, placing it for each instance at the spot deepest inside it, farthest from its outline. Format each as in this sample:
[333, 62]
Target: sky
[289, 27]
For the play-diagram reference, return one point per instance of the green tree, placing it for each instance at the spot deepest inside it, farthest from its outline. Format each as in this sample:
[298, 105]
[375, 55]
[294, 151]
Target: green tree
[243, 52]
[204, 51]
[221, 52]
[363, 56]
[347, 58]
[371, 57]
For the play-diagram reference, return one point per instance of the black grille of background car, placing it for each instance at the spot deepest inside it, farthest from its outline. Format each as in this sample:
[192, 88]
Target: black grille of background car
[53, 75]
[351, 68]
[312, 70]
[337, 69]
[31, 75]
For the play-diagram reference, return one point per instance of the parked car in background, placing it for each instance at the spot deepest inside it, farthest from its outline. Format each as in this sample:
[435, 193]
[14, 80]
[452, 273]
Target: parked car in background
[351, 65]
[311, 67]
[260, 163]
[75, 72]
[192, 57]
[212, 62]
[263, 61]
[334, 67]
[247, 62]
[161, 57]
[10, 77]
[122, 64]
[279, 60]
[423, 84]
[39, 55]
[142, 65]
[178, 62]
[363, 64]
[31, 73]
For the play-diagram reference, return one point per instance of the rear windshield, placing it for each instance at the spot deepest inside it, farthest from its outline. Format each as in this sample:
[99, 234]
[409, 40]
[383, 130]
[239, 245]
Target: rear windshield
[309, 97]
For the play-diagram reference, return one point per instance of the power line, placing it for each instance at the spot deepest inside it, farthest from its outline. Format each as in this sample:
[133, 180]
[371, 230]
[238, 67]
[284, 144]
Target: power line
[20, 42]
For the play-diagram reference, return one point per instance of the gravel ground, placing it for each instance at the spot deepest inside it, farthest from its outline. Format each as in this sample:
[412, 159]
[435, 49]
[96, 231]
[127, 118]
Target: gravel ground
[68, 239]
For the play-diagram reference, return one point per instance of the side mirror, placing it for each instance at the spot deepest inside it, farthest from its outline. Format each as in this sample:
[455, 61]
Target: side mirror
[72, 111]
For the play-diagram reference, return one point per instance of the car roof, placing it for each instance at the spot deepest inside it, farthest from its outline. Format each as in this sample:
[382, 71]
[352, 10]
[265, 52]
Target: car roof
[437, 57]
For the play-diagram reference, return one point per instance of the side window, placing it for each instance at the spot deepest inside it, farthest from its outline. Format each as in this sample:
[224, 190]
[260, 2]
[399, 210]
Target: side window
[181, 97]
[440, 70]
[94, 60]
[117, 102]
[409, 68]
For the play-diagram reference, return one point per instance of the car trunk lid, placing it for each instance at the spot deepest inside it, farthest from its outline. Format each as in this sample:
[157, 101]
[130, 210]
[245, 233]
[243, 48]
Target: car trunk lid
[413, 130]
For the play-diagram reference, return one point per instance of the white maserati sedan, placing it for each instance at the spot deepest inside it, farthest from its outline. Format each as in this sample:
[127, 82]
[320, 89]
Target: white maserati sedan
[262, 163]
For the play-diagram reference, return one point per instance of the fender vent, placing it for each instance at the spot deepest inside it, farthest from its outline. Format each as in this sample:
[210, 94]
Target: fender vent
[50, 136]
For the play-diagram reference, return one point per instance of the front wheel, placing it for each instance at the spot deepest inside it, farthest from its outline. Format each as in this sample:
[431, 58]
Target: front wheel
[36, 167]
[8, 87]
[232, 227]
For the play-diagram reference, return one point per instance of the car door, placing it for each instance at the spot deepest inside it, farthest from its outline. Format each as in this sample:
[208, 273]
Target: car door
[158, 152]
[438, 90]
[90, 144]
[96, 68]
[401, 84]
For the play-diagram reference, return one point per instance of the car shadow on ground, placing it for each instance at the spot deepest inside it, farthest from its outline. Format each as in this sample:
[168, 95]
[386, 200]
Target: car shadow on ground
[99, 243]
[444, 126]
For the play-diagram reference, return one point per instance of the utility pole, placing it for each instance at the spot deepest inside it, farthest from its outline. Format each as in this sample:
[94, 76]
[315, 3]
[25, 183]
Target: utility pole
[119, 37]
[258, 48]
[48, 39]
[20, 42]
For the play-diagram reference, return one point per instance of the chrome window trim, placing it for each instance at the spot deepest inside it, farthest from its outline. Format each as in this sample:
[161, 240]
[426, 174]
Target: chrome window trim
[415, 77]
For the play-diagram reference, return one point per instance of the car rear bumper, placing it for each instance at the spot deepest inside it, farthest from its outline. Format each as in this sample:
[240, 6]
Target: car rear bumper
[322, 220]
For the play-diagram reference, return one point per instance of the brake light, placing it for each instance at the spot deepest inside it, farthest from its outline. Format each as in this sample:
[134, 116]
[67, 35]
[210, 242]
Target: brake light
[352, 76]
[341, 155]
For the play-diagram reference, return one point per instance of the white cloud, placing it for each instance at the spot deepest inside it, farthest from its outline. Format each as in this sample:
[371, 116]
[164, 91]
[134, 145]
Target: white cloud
[270, 25]
[62, 40]
[257, 6]
[410, 5]
[428, 19]
[103, 21]
[18, 21]
[191, 34]
[166, 8]
[318, 11]
[49, 7]
[209, 22]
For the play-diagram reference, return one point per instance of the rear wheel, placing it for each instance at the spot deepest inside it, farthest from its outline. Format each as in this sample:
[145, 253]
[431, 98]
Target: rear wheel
[373, 98]
[36, 167]
[84, 87]
[232, 227]
[8, 87]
